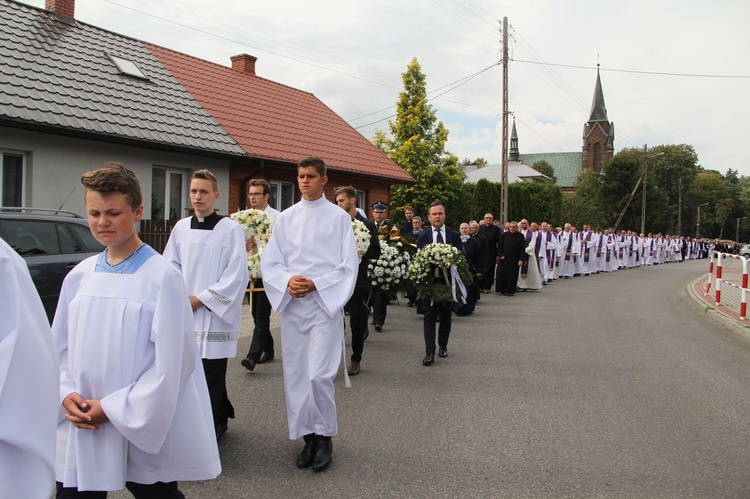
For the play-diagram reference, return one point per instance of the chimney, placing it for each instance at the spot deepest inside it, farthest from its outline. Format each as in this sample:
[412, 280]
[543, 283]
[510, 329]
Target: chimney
[65, 8]
[244, 63]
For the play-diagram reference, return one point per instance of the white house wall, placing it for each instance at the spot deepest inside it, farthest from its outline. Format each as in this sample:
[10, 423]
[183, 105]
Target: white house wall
[54, 165]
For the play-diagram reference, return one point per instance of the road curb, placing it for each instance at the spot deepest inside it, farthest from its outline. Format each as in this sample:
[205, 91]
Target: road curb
[716, 314]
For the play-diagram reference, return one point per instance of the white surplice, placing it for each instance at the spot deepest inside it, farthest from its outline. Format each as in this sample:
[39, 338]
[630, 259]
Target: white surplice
[214, 266]
[533, 279]
[128, 340]
[313, 239]
[29, 380]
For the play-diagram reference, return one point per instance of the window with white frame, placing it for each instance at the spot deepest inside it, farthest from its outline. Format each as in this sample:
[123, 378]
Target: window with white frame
[361, 200]
[282, 195]
[11, 179]
[168, 190]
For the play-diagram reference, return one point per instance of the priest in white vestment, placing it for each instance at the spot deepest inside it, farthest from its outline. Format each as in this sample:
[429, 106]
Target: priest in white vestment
[29, 382]
[309, 271]
[532, 278]
[209, 250]
[566, 251]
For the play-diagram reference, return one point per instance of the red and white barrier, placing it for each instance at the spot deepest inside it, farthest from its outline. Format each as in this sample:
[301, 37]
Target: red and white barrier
[719, 280]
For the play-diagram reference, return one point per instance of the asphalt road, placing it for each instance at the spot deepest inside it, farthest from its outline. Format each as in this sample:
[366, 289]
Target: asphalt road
[603, 386]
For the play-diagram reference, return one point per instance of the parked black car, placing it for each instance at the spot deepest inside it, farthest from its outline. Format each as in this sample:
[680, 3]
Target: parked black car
[52, 242]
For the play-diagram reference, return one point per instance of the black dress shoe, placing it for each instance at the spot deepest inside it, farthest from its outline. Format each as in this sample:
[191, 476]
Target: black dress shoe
[443, 352]
[248, 363]
[307, 456]
[378, 327]
[265, 356]
[323, 453]
[428, 359]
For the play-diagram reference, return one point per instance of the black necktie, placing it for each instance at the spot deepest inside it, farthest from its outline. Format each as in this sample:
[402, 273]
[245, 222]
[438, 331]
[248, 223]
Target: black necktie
[439, 236]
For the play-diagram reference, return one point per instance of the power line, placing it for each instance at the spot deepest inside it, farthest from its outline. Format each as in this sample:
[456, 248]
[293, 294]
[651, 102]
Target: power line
[454, 86]
[655, 73]
[255, 47]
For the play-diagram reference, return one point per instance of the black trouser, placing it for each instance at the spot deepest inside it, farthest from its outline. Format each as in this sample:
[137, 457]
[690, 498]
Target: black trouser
[358, 314]
[216, 379]
[380, 306]
[158, 490]
[507, 277]
[431, 314]
[489, 276]
[262, 339]
[411, 292]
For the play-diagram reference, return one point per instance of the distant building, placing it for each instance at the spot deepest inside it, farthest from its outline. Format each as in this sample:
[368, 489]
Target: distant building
[598, 146]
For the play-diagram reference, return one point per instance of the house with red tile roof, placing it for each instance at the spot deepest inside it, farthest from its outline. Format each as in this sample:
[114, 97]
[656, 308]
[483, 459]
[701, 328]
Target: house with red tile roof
[277, 125]
[73, 96]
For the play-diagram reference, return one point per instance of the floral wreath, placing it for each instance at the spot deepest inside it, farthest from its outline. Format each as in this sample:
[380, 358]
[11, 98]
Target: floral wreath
[391, 268]
[451, 262]
[258, 225]
[362, 235]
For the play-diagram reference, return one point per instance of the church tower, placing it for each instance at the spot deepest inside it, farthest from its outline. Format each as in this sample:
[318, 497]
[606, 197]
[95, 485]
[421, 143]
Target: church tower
[598, 133]
[513, 154]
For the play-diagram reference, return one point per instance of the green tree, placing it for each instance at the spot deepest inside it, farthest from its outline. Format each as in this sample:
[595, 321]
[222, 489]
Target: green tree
[417, 144]
[585, 205]
[486, 199]
[545, 169]
[709, 187]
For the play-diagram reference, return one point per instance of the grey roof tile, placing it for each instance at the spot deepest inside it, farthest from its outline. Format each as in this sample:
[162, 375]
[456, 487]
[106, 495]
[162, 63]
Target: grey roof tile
[60, 75]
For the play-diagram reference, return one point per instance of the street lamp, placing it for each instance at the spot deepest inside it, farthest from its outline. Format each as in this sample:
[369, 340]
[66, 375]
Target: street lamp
[698, 224]
[737, 235]
[643, 199]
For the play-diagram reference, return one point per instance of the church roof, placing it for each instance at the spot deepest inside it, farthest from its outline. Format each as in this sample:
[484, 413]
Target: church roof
[567, 165]
[598, 109]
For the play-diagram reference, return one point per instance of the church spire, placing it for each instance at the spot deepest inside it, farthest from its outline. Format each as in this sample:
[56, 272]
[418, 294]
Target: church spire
[514, 155]
[598, 132]
[598, 109]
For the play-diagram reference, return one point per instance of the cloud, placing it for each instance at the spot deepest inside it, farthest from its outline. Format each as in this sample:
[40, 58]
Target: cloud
[351, 55]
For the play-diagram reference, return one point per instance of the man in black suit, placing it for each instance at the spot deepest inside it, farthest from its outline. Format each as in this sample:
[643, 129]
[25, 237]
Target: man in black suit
[512, 251]
[346, 198]
[380, 298]
[492, 233]
[437, 233]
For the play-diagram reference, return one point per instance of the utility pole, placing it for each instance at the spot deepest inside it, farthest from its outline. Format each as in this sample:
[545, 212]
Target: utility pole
[504, 160]
[643, 198]
[679, 209]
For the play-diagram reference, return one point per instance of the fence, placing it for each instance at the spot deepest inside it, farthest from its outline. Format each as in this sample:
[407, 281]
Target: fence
[718, 279]
[155, 233]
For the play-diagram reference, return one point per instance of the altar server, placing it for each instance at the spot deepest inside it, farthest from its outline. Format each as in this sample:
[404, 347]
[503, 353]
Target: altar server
[29, 381]
[135, 410]
[209, 250]
[309, 271]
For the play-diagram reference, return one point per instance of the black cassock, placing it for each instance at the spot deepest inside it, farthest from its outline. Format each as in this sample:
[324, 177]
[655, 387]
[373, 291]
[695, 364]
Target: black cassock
[512, 247]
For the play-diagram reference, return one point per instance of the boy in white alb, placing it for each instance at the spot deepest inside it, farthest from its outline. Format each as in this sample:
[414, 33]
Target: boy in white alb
[136, 410]
[209, 250]
[29, 381]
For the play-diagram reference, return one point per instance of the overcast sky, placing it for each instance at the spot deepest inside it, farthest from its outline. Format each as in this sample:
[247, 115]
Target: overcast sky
[351, 54]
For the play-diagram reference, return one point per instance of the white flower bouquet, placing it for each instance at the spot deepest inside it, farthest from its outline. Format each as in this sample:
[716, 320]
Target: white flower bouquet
[362, 236]
[449, 262]
[391, 268]
[257, 225]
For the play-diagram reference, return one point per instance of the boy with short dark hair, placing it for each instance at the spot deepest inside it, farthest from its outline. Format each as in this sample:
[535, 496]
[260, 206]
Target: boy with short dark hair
[136, 409]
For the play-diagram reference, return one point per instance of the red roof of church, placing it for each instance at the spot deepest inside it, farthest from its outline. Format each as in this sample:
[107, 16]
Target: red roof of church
[277, 122]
